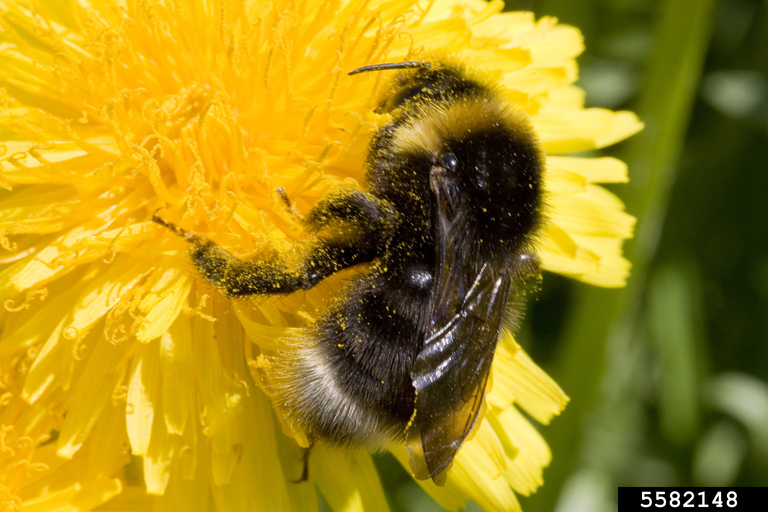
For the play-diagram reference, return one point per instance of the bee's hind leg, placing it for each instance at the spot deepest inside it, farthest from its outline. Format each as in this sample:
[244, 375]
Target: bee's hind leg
[305, 462]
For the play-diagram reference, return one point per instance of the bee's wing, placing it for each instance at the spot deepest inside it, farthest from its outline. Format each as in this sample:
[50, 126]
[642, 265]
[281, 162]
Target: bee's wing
[466, 310]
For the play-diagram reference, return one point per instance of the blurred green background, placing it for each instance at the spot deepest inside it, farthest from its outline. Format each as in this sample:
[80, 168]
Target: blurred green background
[668, 377]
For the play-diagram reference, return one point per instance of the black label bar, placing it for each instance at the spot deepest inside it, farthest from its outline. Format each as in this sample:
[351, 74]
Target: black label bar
[711, 499]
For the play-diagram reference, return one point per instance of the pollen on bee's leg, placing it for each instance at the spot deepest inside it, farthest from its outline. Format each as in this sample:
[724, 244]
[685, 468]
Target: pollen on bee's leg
[189, 236]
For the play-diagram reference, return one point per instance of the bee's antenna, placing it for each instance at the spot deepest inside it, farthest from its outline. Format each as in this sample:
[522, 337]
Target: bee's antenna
[390, 65]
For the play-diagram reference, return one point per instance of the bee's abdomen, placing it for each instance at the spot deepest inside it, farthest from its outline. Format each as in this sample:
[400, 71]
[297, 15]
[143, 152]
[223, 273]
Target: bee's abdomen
[352, 381]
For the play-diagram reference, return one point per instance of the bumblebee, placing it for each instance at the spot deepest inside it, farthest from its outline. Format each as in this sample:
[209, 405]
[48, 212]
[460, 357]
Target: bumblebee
[447, 221]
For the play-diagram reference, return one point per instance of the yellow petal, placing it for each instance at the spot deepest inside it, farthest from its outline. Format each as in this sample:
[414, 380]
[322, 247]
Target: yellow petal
[107, 448]
[560, 44]
[594, 170]
[57, 501]
[533, 81]
[105, 291]
[491, 493]
[516, 377]
[567, 98]
[265, 333]
[158, 460]
[36, 323]
[532, 454]
[612, 270]
[591, 259]
[219, 417]
[349, 482]
[490, 456]
[596, 212]
[189, 492]
[568, 131]
[167, 294]
[53, 365]
[93, 494]
[94, 388]
[130, 499]
[143, 396]
[451, 496]
[178, 374]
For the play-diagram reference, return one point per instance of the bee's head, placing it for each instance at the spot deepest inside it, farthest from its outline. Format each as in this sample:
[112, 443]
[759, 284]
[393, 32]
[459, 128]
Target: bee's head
[458, 122]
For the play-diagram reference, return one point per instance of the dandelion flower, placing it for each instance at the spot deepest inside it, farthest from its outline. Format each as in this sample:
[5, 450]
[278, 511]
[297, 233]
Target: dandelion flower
[125, 380]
